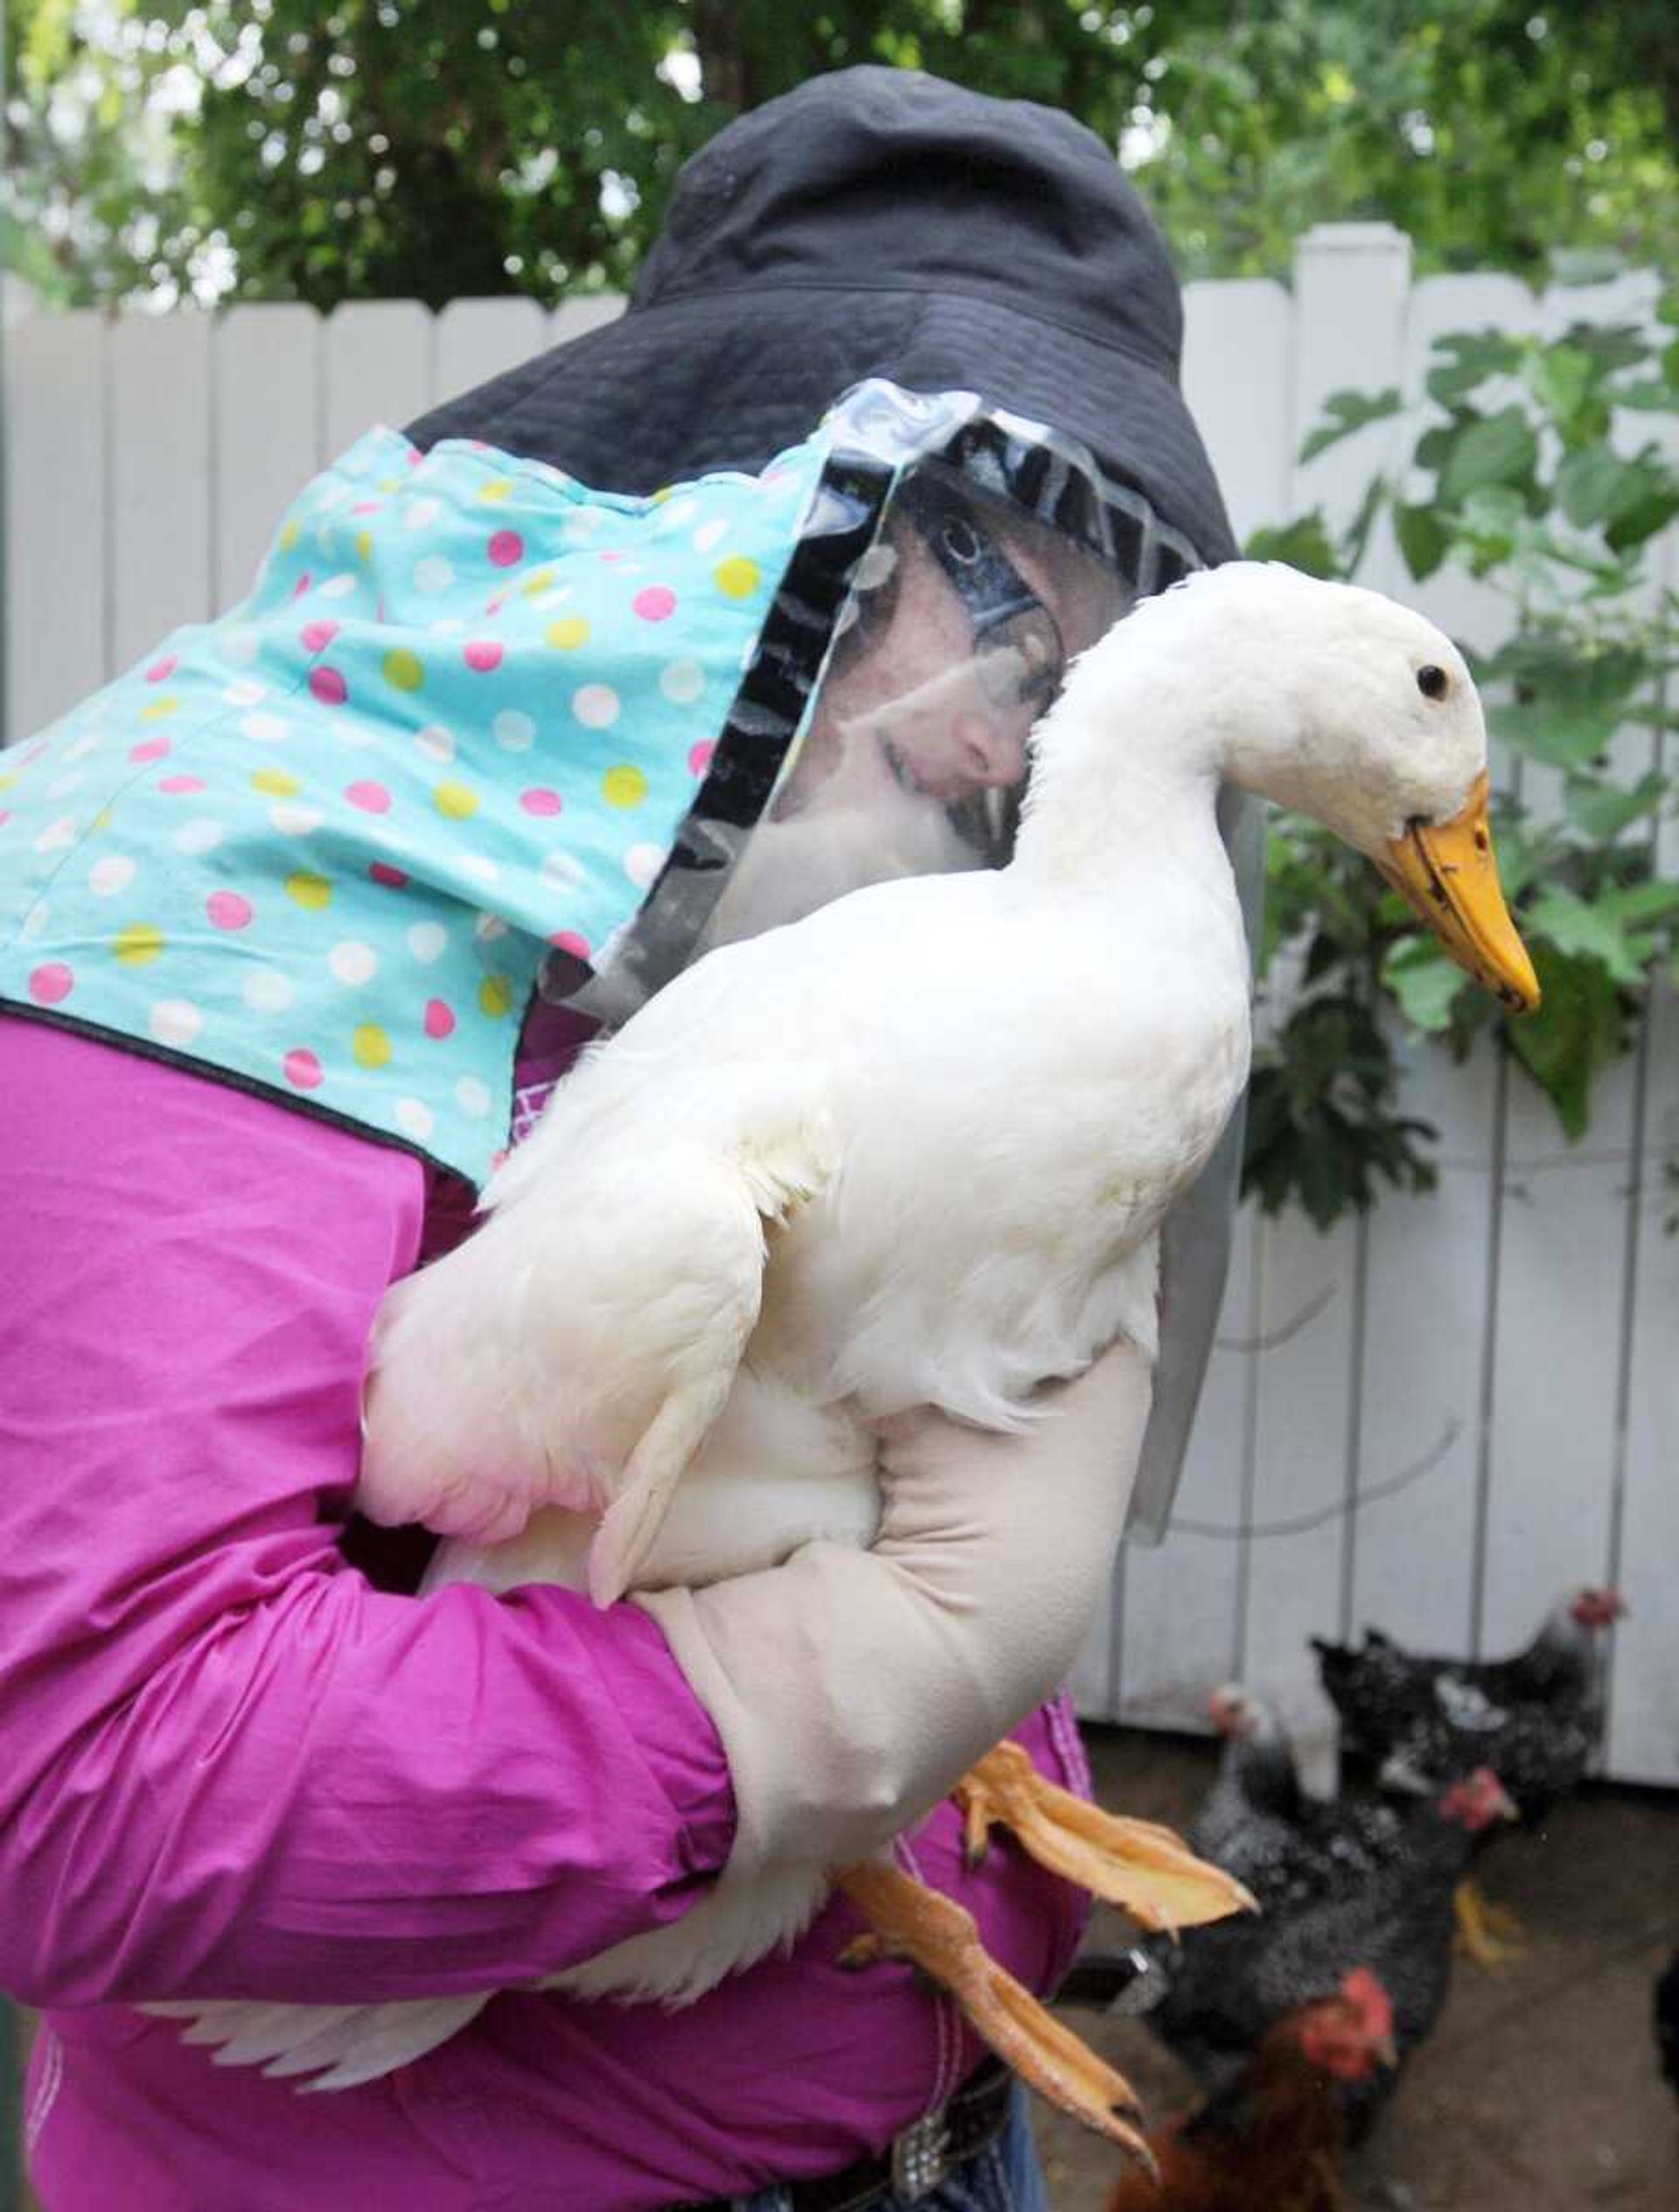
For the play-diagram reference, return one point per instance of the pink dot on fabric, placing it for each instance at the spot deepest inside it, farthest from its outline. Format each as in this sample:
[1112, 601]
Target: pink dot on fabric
[328, 686]
[372, 798]
[482, 653]
[366, 506]
[699, 755]
[440, 1018]
[49, 983]
[507, 548]
[612, 559]
[176, 785]
[655, 603]
[160, 671]
[153, 748]
[540, 801]
[317, 636]
[228, 910]
[302, 584]
[303, 1070]
[570, 941]
[393, 878]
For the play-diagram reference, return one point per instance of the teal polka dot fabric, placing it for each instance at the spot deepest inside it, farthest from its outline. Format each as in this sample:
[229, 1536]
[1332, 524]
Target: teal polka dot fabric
[323, 844]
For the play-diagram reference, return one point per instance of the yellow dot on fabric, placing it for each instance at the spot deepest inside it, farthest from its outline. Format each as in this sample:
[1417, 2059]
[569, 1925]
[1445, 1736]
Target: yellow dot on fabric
[289, 536]
[6, 782]
[404, 669]
[664, 493]
[371, 1046]
[624, 787]
[276, 783]
[140, 942]
[459, 802]
[101, 821]
[159, 709]
[737, 577]
[538, 581]
[309, 890]
[495, 996]
[499, 487]
[568, 632]
[365, 544]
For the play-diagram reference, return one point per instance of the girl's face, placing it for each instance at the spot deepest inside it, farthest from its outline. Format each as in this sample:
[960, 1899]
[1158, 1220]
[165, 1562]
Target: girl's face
[920, 727]
[923, 710]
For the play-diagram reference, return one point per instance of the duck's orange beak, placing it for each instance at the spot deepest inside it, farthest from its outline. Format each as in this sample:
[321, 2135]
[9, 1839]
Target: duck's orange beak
[1447, 872]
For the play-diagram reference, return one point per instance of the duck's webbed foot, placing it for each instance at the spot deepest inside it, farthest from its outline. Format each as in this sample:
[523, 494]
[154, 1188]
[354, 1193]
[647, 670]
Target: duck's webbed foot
[1146, 1870]
[908, 1921]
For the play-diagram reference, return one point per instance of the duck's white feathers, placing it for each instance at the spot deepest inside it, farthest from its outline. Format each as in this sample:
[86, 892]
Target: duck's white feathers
[912, 1150]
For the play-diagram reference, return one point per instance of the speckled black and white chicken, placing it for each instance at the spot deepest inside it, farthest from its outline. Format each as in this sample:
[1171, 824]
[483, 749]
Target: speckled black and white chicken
[1353, 1881]
[1413, 1722]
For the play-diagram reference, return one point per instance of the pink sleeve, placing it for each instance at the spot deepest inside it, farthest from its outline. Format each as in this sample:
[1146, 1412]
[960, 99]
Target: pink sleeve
[229, 1766]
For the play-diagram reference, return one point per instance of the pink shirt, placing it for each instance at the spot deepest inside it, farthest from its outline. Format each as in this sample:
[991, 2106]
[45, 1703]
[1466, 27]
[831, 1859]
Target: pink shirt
[232, 1765]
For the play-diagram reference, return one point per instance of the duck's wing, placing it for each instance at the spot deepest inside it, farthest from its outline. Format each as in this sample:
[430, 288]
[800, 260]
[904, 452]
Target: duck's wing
[576, 1349]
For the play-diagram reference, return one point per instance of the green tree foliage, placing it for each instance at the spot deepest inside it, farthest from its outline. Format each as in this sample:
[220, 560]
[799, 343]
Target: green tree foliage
[322, 149]
[1546, 470]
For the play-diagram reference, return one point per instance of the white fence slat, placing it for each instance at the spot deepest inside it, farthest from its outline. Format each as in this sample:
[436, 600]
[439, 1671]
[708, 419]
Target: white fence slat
[268, 432]
[1243, 420]
[1350, 287]
[1180, 1614]
[160, 527]
[376, 366]
[477, 338]
[1561, 1281]
[1412, 1556]
[1175, 1629]
[576, 317]
[1644, 1708]
[1413, 1560]
[57, 578]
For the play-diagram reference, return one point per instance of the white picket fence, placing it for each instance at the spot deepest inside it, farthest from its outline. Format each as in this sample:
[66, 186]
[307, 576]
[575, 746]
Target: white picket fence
[1517, 1330]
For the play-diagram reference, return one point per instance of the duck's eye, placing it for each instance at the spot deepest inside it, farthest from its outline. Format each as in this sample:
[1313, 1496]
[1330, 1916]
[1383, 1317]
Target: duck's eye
[1431, 681]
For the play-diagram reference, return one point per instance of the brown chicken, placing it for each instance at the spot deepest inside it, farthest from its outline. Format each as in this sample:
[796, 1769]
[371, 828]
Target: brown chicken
[1271, 2141]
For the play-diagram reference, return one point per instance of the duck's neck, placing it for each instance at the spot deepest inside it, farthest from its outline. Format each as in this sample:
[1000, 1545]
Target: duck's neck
[1120, 766]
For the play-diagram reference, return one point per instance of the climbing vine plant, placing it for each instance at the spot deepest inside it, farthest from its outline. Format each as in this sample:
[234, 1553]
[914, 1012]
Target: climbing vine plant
[1551, 478]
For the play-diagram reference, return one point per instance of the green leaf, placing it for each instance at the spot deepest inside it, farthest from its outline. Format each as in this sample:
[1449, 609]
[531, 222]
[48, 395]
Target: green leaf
[1303, 543]
[1588, 931]
[1592, 486]
[1615, 345]
[1642, 904]
[1563, 379]
[1465, 358]
[1574, 265]
[1579, 699]
[1424, 981]
[1580, 1028]
[1497, 449]
[1645, 517]
[1422, 537]
[1346, 412]
[1603, 809]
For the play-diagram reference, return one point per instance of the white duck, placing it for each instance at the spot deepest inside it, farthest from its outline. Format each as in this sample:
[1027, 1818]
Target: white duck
[913, 1149]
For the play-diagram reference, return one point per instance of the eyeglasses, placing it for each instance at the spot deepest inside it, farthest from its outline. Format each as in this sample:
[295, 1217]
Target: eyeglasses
[1020, 655]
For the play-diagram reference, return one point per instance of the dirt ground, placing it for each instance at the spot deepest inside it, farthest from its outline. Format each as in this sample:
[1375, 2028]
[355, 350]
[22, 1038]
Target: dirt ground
[1538, 2090]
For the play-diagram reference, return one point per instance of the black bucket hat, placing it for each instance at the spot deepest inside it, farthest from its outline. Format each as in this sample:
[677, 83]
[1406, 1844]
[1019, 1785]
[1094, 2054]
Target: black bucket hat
[876, 222]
